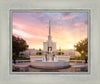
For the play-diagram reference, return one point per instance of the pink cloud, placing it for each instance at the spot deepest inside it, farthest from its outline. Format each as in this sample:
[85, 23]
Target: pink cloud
[32, 30]
[32, 34]
[67, 17]
[64, 35]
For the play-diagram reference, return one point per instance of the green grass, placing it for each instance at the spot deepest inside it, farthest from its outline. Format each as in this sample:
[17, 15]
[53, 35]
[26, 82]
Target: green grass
[78, 58]
[22, 58]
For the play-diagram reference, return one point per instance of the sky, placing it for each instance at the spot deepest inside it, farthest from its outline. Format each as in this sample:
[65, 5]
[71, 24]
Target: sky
[67, 28]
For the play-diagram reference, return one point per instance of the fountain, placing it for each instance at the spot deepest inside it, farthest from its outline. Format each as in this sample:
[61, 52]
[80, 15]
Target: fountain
[56, 63]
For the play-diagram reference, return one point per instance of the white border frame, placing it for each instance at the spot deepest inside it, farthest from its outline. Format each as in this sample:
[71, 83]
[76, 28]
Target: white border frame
[6, 78]
[11, 11]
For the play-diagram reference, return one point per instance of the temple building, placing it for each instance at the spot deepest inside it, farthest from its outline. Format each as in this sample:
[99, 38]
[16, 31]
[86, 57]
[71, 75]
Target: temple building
[49, 45]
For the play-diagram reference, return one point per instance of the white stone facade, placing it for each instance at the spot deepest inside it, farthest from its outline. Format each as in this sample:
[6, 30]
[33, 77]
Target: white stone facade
[45, 46]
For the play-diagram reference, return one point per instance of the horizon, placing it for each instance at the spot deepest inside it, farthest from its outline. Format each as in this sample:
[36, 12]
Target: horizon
[34, 28]
[42, 49]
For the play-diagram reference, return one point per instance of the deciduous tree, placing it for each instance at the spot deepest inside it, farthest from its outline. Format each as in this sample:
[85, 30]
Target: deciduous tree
[18, 44]
[82, 47]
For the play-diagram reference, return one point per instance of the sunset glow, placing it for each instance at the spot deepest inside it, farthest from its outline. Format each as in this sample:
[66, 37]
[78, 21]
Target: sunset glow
[66, 28]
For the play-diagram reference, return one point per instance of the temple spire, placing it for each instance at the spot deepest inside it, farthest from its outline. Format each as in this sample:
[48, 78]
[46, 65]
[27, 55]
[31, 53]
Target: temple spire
[49, 36]
[49, 27]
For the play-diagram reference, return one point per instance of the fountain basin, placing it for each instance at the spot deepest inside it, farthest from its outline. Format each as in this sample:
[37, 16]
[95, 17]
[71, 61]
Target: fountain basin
[49, 65]
[39, 62]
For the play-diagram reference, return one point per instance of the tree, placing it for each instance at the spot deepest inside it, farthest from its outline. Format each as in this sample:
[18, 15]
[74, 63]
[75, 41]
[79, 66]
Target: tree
[33, 48]
[60, 52]
[40, 49]
[82, 47]
[39, 52]
[18, 44]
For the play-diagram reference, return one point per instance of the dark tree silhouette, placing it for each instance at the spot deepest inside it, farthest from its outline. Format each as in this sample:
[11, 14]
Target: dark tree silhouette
[18, 44]
[82, 47]
[60, 52]
[39, 52]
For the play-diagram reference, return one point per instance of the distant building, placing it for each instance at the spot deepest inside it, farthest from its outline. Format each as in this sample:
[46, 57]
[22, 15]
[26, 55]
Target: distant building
[28, 53]
[71, 53]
